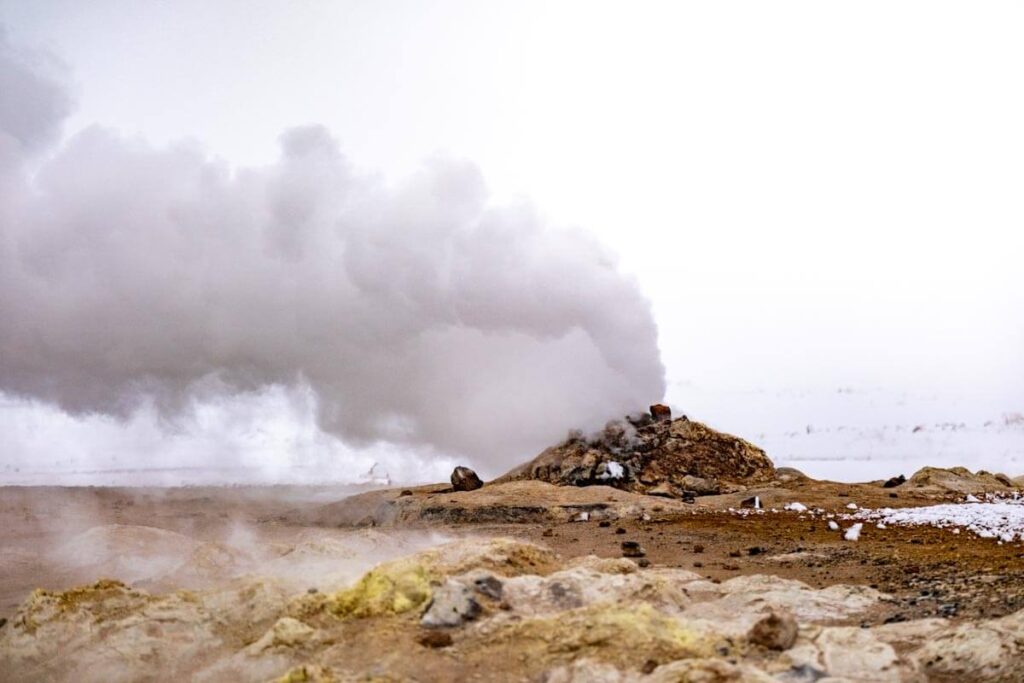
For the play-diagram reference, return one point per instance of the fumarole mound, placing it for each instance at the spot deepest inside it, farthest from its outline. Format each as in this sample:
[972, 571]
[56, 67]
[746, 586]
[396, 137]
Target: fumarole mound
[652, 453]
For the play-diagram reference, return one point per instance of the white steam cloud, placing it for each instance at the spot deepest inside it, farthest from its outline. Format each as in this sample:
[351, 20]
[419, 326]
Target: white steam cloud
[418, 314]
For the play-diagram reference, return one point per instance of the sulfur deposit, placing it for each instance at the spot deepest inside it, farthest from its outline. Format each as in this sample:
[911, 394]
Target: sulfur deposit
[539, 617]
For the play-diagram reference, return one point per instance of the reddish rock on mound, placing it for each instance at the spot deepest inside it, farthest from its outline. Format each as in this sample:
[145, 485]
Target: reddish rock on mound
[650, 454]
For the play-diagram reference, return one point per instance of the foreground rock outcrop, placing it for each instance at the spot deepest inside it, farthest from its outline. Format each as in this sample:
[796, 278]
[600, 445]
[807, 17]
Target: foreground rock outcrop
[533, 616]
[653, 454]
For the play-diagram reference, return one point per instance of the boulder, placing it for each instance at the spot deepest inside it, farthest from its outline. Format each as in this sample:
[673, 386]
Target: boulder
[661, 413]
[651, 455]
[453, 605]
[465, 479]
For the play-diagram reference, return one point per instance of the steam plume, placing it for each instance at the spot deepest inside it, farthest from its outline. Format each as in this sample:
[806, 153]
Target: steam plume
[417, 313]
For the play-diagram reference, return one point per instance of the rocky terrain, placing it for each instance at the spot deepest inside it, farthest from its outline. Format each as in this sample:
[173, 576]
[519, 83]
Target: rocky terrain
[673, 567]
[652, 453]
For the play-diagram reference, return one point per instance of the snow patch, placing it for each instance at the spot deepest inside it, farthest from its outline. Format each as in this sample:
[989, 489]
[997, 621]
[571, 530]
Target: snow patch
[998, 519]
[612, 470]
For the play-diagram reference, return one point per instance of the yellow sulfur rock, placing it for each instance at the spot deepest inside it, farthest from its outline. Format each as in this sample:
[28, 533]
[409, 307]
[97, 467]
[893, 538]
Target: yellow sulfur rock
[391, 588]
[307, 674]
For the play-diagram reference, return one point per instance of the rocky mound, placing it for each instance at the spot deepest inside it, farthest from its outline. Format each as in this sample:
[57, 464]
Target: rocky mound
[499, 610]
[961, 480]
[654, 454]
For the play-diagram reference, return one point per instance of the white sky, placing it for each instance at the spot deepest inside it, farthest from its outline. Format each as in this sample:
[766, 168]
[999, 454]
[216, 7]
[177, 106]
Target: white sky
[815, 195]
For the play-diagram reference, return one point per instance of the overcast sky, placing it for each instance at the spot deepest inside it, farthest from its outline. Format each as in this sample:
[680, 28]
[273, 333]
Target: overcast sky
[814, 196]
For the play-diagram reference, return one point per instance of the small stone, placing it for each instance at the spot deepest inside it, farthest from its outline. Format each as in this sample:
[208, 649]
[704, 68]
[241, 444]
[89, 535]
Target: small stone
[547, 533]
[465, 479]
[435, 639]
[777, 631]
[489, 586]
[312, 591]
[620, 530]
[405, 492]
[604, 524]
[643, 562]
[805, 673]
[698, 548]
[649, 666]
[632, 549]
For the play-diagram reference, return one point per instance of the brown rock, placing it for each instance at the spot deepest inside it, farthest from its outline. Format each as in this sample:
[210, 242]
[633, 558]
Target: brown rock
[465, 479]
[632, 549]
[777, 631]
[435, 639]
[661, 413]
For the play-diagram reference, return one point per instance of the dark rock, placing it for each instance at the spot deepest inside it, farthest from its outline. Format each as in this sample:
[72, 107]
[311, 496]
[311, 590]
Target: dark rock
[643, 562]
[435, 639]
[698, 548]
[753, 502]
[405, 492]
[620, 530]
[604, 523]
[777, 631]
[465, 479]
[632, 549]
[489, 586]
[547, 533]
[894, 482]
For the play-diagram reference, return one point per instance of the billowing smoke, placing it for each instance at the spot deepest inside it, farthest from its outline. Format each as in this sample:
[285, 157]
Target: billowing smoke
[417, 313]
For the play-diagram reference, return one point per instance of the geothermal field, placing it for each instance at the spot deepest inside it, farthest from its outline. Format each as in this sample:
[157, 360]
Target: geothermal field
[548, 341]
[656, 550]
